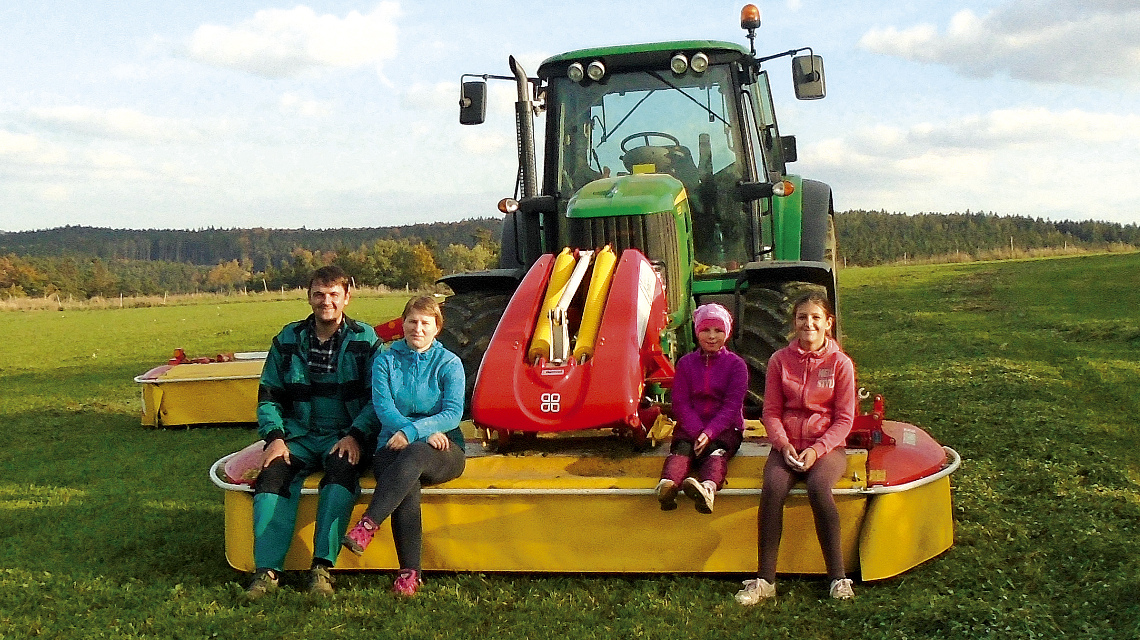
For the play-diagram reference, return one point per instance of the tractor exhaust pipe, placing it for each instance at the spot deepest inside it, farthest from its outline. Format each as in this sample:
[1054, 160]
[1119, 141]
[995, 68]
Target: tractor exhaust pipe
[524, 119]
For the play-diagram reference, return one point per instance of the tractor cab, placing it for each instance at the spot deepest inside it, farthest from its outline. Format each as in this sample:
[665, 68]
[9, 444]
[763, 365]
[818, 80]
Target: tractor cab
[699, 111]
[670, 111]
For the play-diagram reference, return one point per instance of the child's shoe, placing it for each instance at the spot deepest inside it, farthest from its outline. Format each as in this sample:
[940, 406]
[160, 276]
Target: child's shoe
[755, 590]
[357, 538]
[702, 493]
[841, 589]
[407, 583]
[666, 493]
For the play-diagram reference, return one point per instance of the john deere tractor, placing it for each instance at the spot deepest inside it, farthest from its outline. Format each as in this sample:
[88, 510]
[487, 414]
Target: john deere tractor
[673, 149]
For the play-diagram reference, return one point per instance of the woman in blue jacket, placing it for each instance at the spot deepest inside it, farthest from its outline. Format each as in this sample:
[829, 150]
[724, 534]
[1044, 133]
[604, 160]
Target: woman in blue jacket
[417, 391]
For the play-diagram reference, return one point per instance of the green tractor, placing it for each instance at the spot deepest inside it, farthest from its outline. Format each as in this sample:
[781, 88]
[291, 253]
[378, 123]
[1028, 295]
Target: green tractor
[671, 148]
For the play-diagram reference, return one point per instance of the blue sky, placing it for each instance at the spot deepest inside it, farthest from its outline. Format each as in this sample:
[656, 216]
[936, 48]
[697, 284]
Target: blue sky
[158, 114]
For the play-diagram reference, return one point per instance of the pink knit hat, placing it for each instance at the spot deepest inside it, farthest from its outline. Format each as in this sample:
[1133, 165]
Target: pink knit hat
[712, 315]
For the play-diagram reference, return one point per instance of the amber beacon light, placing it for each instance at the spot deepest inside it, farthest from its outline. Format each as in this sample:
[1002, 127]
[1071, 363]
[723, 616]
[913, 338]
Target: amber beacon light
[750, 17]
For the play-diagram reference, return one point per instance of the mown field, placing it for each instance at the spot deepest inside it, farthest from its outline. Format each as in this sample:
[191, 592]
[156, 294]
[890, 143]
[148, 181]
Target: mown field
[1029, 369]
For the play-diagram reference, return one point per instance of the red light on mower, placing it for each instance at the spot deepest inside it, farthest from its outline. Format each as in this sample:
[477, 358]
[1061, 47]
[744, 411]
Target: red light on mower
[508, 205]
[783, 188]
[750, 17]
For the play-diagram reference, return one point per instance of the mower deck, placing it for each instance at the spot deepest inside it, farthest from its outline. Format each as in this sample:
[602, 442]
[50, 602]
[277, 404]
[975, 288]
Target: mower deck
[586, 504]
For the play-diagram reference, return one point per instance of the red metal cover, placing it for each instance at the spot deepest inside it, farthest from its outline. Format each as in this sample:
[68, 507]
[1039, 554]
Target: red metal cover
[913, 455]
[516, 395]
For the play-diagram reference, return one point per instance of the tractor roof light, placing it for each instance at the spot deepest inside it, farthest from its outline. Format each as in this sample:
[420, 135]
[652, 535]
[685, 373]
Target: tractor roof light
[576, 72]
[700, 63]
[596, 70]
[750, 22]
[508, 205]
[750, 17]
[679, 63]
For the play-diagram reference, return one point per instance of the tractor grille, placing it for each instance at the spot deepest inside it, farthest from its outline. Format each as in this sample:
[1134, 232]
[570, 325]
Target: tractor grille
[655, 235]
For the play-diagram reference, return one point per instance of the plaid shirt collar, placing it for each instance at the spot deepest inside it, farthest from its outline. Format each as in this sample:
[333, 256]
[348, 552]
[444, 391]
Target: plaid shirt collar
[323, 356]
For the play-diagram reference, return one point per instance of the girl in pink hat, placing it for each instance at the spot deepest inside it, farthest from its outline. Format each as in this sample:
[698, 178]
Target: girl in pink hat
[708, 407]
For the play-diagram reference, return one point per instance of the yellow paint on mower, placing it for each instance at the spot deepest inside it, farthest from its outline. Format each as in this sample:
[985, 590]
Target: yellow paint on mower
[604, 264]
[559, 277]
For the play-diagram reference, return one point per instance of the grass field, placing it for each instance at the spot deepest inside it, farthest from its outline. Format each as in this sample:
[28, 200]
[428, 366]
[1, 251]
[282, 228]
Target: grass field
[1029, 369]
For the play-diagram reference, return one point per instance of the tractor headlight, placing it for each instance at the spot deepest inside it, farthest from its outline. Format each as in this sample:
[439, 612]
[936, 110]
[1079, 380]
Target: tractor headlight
[679, 64]
[576, 72]
[596, 70]
[700, 63]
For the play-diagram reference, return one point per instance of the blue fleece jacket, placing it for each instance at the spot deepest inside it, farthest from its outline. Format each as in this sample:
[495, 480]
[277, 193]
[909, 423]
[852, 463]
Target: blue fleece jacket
[418, 393]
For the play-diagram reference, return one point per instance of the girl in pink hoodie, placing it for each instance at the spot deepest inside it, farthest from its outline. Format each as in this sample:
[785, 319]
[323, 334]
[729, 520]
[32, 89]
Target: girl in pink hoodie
[809, 407]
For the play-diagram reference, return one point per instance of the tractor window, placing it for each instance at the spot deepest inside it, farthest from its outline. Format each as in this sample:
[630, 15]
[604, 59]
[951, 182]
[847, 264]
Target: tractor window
[657, 122]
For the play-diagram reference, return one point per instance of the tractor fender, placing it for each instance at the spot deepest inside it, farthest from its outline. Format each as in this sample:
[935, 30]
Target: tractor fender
[816, 224]
[489, 281]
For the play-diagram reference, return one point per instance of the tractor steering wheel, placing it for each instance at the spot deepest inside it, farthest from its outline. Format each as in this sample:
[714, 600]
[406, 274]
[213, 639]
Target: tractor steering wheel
[647, 135]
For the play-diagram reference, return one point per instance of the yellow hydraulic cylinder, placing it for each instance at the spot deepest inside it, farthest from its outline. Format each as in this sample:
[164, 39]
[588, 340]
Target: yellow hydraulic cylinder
[559, 277]
[595, 302]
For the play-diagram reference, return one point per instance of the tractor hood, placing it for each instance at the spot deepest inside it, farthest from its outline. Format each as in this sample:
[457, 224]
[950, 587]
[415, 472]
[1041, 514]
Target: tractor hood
[630, 195]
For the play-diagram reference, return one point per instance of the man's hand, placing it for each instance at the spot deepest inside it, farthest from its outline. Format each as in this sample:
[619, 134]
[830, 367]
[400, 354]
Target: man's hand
[397, 442]
[276, 449]
[439, 441]
[347, 447]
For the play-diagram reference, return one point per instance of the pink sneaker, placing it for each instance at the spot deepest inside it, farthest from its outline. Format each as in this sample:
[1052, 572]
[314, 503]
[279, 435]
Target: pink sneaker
[358, 537]
[407, 583]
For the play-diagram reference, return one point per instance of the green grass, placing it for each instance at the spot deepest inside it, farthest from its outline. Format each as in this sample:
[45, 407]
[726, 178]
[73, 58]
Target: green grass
[1030, 370]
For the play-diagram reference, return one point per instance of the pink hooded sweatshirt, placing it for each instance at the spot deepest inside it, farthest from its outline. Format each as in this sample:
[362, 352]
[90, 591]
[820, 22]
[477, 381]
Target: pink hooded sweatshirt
[809, 398]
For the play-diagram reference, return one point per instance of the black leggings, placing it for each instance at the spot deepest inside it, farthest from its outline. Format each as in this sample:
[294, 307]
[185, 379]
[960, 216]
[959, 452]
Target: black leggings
[399, 477]
[778, 481]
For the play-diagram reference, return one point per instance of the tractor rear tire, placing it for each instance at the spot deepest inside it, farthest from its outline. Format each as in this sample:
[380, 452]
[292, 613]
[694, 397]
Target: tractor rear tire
[469, 322]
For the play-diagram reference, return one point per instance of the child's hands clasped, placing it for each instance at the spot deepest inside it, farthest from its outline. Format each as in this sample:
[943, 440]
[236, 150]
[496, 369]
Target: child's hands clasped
[700, 443]
[799, 461]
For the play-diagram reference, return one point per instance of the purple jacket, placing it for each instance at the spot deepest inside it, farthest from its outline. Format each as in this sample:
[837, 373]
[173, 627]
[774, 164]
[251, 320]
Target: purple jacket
[708, 394]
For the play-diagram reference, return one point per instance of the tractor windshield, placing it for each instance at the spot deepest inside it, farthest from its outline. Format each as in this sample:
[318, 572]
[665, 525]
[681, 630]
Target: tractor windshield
[658, 122]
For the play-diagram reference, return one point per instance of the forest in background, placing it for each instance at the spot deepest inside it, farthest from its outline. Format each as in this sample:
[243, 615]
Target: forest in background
[87, 262]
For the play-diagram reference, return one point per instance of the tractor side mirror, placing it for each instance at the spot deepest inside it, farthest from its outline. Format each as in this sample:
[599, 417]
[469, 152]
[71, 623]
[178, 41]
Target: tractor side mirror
[788, 146]
[807, 76]
[473, 102]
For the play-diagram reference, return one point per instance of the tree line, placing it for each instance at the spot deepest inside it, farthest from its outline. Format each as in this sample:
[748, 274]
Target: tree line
[72, 261]
[259, 248]
[88, 262]
[877, 237]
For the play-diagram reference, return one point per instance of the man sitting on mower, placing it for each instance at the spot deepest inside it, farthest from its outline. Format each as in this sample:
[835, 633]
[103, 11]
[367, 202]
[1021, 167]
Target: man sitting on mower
[315, 413]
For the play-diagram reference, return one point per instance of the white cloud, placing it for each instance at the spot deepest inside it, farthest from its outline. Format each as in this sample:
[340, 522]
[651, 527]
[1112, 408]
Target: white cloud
[28, 149]
[1032, 162]
[486, 143]
[279, 43]
[293, 104]
[1079, 42]
[114, 123]
[441, 96]
[55, 193]
[107, 159]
